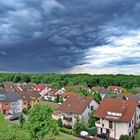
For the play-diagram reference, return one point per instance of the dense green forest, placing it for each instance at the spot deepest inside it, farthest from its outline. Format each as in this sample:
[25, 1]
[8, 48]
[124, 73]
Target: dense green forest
[127, 81]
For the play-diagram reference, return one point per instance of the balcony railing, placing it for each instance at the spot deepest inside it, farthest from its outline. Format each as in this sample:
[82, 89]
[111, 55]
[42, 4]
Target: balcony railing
[67, 118]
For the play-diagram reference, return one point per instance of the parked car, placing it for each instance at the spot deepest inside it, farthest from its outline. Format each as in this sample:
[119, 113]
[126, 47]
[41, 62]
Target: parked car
[85, 134]
[103, 136]
[14, 117]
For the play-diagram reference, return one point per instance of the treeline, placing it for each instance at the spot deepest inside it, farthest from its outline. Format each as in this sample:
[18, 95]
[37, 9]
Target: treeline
[127, 81]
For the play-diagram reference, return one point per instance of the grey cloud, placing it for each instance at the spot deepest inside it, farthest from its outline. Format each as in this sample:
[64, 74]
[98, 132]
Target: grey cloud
[56, 34]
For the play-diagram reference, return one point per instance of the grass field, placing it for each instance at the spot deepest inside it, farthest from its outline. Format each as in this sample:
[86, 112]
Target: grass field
[51, 104]
[63, 137]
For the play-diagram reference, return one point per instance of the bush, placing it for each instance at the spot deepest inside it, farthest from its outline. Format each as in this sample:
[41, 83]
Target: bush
[60, 124]
[92, 131]
[25, 111]
[125, 137]
[67, 131]
[137, 135]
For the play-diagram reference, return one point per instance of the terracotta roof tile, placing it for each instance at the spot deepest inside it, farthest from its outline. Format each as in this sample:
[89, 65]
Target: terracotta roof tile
[126, 107]
[75, 105]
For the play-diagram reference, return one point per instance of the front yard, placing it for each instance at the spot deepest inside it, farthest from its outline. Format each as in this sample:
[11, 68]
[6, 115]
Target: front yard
[63, 136]
[51, 104]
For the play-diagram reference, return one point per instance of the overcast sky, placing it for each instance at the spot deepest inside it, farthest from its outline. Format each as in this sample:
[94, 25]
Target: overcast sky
[70, 36]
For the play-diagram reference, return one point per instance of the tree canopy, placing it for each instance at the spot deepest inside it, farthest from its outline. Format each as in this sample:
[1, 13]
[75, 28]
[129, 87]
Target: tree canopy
[40, 122]
[12, 132]
[59, 80]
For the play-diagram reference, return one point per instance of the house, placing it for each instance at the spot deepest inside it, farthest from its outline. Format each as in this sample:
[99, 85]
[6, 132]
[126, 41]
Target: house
[39, 88]
[115, 89]
[9, 87]
[29, 99]
[10, 103]
[45, 91]
[103, 92]
[67, 95]
[117, 117]
[134, 97]
[79, 106]
[97, 88]
[52, 94]
[20, 87]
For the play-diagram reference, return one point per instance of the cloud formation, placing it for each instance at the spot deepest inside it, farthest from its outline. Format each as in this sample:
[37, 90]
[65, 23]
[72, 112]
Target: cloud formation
[70, 36]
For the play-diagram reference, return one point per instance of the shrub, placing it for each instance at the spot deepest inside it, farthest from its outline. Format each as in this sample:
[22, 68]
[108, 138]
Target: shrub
[92, 131]
[60, 124]
[67, 131]
[125, 137]
[25, 111]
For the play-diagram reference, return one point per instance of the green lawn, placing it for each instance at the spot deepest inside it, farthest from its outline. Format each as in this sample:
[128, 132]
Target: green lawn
[137, 137]
[63, 137]
[51, 104]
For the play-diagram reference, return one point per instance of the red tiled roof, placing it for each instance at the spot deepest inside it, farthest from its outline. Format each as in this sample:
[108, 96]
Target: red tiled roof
[114, 88]
[29, 95]
[52, 92]
[40, 87]
[75, 105]
[125, 107]
[97, 88]
[68, 94]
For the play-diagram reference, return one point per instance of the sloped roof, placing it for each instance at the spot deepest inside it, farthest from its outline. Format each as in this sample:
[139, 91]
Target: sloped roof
[76, 105]
[125, 107]
[10, 97]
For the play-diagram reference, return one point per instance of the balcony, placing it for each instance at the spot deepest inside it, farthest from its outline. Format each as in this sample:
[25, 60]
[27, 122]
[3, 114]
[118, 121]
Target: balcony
[98, 124]
[67, 118]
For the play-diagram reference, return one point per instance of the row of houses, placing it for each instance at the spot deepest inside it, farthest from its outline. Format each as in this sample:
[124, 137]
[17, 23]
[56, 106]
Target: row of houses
[15, 103]
[115, 117]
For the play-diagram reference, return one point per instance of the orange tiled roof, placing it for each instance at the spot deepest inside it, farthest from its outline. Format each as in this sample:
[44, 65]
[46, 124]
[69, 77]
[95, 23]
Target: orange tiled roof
[126, 107]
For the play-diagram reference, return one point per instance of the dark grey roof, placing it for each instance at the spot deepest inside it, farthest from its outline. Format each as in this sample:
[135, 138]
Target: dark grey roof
[9, 97]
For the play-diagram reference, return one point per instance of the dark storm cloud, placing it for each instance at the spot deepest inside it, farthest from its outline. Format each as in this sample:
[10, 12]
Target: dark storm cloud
[54, 35]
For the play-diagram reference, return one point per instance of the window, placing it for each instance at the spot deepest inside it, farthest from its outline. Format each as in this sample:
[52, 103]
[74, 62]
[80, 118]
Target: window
[6, 104]
[139, 116]
[129, 133]
[110, 124]
[101, 130]
[130, 124]
[102, 125]
[88, 106]
[91, 108]
[132, 121]
[24, 103]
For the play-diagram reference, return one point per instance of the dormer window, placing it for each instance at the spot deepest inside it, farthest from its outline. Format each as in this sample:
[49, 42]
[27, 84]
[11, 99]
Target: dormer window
[114, 114]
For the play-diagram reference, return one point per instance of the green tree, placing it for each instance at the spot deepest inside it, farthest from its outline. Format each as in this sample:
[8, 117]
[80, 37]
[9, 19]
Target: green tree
[57, 98]
[21, 120]
[125, 137]
[91, 121]
[97, 96]
[17, 78]
[60, 124]
[55, 85]
[40, 122]
[12, 132]
[78, 126]
[137, 137]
